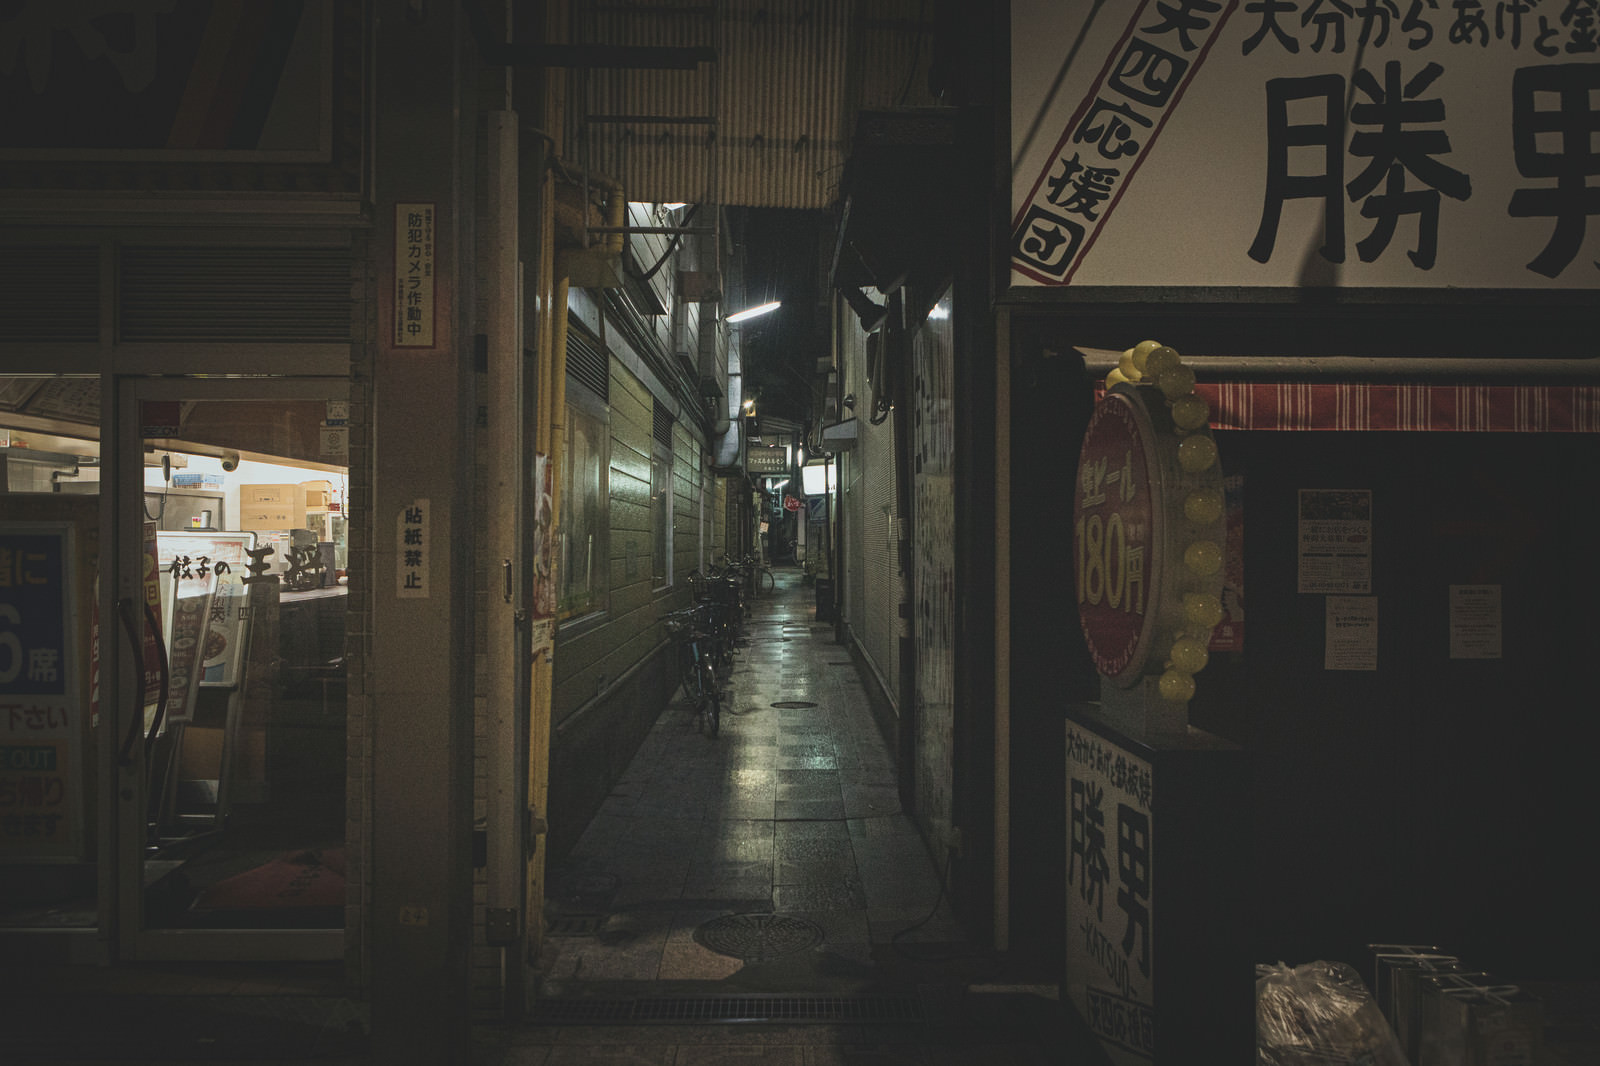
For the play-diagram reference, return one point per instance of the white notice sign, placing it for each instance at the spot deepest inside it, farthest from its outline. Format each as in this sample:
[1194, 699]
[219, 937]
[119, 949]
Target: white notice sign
[1475, 625]
[414, 254]
[411, 551]
[1336, 540]
[1352, 633]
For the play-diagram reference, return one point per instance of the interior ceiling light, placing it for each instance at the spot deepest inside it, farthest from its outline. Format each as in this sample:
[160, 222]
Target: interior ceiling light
[751, 312]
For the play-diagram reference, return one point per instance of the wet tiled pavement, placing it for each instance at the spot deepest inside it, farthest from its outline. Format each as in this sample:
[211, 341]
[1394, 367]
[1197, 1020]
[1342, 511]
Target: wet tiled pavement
[788, 825]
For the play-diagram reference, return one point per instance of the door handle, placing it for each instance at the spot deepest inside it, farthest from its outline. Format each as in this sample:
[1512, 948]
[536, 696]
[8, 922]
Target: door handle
[130, 625]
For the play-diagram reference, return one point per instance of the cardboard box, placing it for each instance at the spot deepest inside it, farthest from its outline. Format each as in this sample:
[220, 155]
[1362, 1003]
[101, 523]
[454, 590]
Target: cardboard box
[1395, 971]
[282, 495]
[272, 507]
[256, 517]
[319, 494]
[1475, 1020]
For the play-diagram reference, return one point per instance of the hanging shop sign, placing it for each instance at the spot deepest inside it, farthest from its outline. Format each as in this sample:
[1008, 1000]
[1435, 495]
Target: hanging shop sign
[767, 460]
[1304, 144]
[1148, 526]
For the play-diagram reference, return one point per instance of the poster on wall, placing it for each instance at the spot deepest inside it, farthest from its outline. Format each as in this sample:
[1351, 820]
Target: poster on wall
[544, 555]
[210, 565]
[42, 709]
[1304, 144]
[1350, 633]
[1335, 531]
[1228, 635]
[1476, 628]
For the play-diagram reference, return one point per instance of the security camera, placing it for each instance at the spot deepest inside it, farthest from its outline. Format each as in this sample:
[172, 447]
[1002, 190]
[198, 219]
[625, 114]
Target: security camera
[230, 461]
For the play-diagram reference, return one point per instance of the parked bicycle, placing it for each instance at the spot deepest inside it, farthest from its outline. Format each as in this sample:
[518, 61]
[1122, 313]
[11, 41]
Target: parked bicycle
[698, 670]
[758, 575]
[721, 594]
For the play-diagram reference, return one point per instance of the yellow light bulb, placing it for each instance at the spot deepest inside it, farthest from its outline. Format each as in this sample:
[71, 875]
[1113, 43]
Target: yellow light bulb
[1141, 352]
[1189, 655]
[1177, 381]
[1203, 506]
[1190, 412]
[1196, 453]
[1129, 369]
[1176, 687]
[1160, 360]
[1116, 377]
[1202, 609]
[1203, 558]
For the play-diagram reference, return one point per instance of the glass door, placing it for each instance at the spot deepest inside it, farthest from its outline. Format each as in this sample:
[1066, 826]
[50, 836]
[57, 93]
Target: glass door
[231, 505]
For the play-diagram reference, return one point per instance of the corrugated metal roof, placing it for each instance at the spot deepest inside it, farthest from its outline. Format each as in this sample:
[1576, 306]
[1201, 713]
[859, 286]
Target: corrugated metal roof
[765, 126]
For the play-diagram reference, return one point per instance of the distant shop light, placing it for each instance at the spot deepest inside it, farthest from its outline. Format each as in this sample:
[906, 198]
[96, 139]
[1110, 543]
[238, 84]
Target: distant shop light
[818, 478]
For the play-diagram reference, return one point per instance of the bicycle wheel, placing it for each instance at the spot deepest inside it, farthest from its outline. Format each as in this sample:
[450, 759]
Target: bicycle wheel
[710, 698]
[689, 673]
[765, 581]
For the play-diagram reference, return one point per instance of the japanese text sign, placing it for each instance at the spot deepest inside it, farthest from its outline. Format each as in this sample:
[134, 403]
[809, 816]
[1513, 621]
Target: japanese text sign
[1300, 143]
[411, 549]
[415, 259]
[41, 710]
[1110, 893]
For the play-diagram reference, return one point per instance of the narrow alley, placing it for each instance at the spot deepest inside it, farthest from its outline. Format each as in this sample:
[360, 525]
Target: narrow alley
[768, 877]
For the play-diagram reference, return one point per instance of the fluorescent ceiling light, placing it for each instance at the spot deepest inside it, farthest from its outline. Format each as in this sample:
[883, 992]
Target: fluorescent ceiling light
[751, 312]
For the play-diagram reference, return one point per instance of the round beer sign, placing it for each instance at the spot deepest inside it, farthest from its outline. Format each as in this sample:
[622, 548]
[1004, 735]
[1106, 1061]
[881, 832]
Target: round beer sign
[1148, 526]
[1115, 526]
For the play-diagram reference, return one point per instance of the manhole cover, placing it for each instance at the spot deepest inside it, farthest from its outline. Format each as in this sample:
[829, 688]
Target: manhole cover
[757, 937]
[791, 705]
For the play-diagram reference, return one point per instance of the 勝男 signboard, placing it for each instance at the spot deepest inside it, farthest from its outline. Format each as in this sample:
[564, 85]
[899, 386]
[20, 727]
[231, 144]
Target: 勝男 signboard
[1158, 964]
[1306, 144]
[1110, 878]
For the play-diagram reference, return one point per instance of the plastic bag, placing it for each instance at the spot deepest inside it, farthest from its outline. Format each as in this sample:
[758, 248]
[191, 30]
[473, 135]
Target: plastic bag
[1320, 1014]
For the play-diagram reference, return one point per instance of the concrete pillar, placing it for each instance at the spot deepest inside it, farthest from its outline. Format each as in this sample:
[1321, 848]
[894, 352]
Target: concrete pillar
[420, 916]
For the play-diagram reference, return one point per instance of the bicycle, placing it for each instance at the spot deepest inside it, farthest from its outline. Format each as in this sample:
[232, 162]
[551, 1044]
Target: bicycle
[697, 665]
[761, 579]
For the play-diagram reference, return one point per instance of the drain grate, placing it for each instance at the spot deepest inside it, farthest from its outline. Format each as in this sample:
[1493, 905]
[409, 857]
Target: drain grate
[758, 937]
[837, 1010]
[791, 705]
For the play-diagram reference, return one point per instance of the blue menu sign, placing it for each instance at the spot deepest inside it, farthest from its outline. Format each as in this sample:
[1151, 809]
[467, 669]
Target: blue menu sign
[41, 714]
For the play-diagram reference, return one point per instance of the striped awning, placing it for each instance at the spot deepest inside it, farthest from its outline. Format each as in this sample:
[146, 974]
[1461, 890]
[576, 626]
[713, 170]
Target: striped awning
[1376, 395]
[1379, 407]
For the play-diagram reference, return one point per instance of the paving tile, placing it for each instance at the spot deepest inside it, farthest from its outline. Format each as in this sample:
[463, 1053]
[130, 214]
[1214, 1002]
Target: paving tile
[688, 961]
[787, 834]
[866, 1055]
[791, 899]
[740, 1054]
[517, 1056]
[610, 1055]
[841, 927]
[809, 810]
[729, 880]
